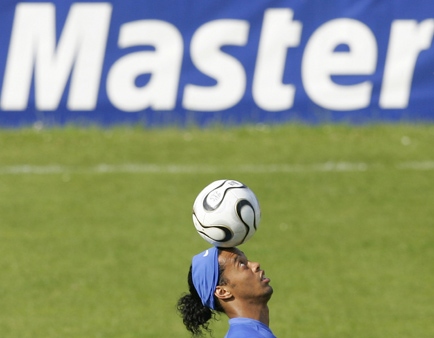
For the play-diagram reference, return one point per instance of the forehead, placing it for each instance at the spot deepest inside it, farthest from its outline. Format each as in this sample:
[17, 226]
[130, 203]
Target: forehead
[230, 255]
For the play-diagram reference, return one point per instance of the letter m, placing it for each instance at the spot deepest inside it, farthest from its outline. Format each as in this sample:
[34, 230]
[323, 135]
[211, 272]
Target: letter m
[79, 55]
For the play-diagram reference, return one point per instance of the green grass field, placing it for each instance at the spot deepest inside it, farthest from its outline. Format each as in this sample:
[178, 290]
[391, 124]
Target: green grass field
[96, 234]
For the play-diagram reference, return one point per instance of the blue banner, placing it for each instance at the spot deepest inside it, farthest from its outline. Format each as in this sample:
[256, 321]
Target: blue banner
[181, 62]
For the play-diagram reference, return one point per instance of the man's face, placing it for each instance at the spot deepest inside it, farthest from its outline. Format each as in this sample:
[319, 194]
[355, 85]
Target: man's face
[245, 278]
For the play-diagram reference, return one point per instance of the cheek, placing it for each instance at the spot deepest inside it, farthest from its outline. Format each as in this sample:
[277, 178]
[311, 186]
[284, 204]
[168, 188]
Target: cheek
[236, 279]
[245, 278]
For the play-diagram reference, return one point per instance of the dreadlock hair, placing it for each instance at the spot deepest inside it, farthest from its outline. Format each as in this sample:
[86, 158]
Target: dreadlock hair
[195, 315]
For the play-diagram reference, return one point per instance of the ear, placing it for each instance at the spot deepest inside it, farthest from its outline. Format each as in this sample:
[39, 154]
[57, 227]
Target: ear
[222, 292]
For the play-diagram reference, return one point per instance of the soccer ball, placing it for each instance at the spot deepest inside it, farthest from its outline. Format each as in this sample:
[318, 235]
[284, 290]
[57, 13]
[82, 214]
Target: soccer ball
[226, 213]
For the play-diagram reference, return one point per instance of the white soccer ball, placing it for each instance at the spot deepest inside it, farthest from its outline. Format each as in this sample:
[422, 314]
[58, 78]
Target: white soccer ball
[226, 213]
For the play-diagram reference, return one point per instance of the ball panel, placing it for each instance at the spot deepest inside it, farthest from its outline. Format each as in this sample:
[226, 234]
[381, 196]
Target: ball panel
[215, 197]
[246, 213]
[217, 233]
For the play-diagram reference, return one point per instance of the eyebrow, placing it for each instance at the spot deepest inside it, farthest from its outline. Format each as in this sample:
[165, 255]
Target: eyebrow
[236, 259]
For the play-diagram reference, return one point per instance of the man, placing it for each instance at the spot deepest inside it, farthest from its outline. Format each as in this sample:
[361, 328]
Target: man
[224, 280]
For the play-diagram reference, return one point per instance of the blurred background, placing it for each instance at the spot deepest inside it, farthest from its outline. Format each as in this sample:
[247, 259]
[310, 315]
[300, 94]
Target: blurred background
[114, 116]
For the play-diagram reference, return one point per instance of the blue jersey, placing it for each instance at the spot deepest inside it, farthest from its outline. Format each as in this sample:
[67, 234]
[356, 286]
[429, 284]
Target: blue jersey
[248, 328]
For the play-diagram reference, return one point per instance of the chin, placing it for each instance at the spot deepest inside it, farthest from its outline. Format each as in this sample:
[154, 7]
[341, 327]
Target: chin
[269, 292]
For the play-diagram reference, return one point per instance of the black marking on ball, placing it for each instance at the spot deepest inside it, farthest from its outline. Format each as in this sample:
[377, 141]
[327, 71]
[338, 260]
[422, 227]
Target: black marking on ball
[228, 232]
[207, 207]
[240, 205]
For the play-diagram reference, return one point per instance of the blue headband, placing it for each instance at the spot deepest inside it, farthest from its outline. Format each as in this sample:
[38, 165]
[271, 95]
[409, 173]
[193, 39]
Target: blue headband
[205, 273]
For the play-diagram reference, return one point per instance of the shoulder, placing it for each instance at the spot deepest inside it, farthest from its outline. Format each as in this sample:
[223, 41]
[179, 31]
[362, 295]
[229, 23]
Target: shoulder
[242, 331]
[248, 328]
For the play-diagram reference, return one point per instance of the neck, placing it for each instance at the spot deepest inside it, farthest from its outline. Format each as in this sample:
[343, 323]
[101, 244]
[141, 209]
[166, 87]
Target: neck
[258, 312]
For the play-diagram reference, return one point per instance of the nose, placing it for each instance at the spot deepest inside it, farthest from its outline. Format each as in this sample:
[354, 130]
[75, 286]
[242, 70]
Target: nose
[255, 266]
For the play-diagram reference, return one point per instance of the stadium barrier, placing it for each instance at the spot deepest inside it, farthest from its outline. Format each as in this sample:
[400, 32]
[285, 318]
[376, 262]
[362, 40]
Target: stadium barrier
[196, 62]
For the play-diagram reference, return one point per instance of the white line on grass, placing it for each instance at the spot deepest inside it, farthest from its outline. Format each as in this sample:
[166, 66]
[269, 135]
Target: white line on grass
[427, 165]
[196, 169]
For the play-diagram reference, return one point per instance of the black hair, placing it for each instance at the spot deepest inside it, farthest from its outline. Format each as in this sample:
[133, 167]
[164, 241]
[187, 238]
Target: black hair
[194, 314]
